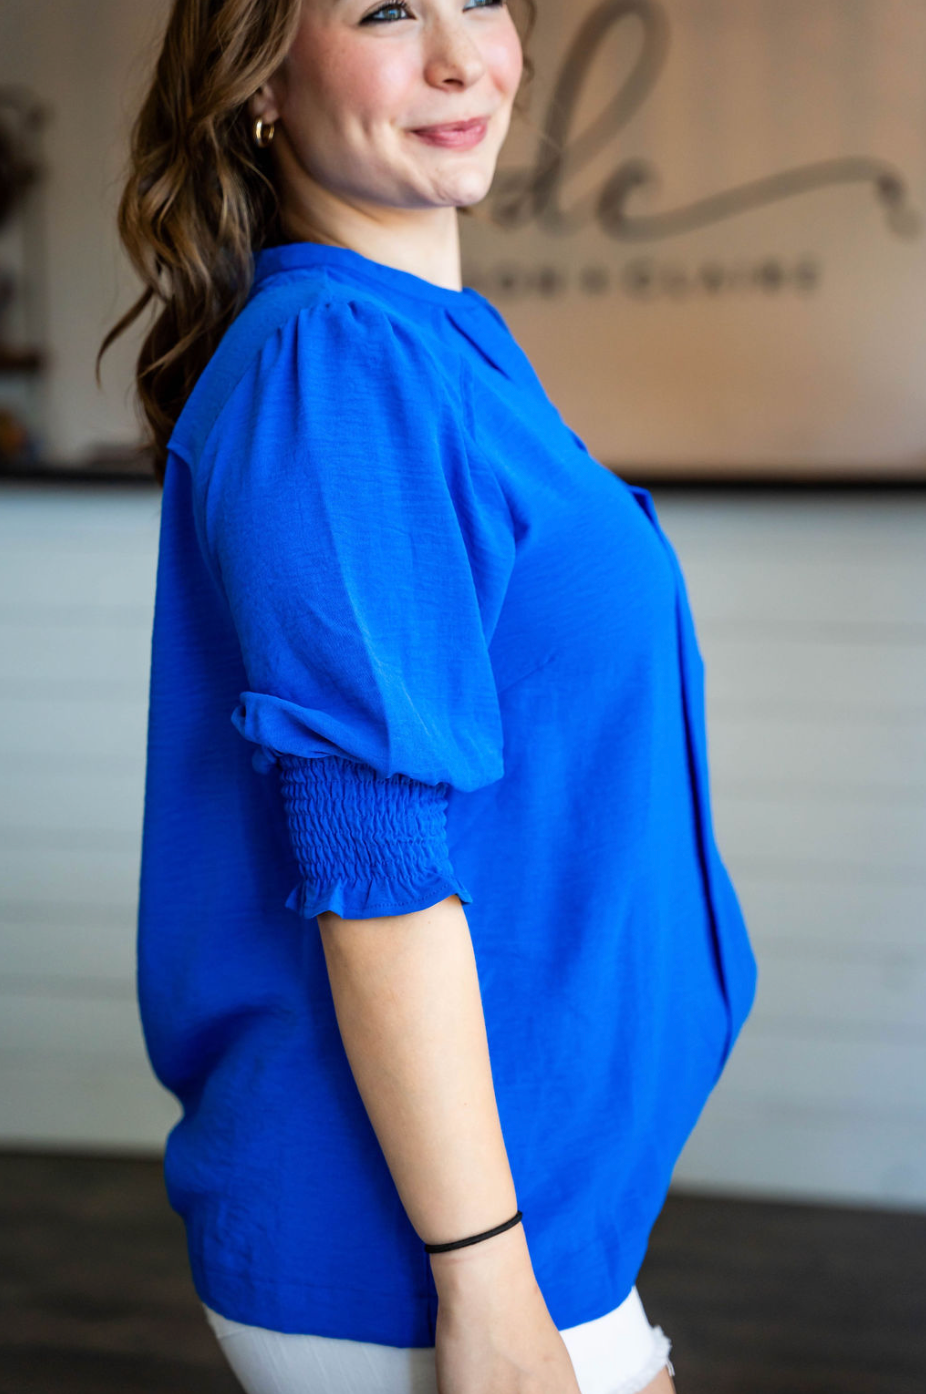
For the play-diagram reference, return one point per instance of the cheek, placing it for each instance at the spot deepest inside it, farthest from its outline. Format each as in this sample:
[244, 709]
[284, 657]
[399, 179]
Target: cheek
[505, 62]
[355, 83]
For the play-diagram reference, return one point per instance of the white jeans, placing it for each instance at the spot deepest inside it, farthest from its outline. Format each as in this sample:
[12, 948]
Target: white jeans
[618, 1353]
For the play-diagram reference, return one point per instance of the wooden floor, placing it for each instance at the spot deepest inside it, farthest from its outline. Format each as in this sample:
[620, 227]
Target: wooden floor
[757, 1297]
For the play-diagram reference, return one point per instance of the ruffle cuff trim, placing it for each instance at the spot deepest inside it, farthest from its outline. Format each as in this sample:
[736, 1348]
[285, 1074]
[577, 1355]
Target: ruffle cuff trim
[370, 900]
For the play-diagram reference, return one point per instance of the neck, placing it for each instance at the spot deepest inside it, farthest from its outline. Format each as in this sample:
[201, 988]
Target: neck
[423, 241]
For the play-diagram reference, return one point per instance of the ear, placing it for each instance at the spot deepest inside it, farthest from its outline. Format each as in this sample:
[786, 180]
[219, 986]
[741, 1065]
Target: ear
[264, 103]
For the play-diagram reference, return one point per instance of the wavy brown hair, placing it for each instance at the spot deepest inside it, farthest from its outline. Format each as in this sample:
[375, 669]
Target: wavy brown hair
[199, 199]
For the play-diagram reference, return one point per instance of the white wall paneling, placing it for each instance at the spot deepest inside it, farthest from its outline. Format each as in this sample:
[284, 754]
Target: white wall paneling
[77, 573]
[811, 615]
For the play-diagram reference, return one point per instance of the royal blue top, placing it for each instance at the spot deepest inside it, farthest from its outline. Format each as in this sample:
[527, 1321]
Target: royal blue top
[411, 640]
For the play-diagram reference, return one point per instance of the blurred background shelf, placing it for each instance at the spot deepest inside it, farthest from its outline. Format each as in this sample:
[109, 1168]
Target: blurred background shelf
[111, 466]
[24, 360]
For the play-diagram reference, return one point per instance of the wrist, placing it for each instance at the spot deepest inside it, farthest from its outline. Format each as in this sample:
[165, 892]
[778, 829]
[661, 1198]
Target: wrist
[474, 1268]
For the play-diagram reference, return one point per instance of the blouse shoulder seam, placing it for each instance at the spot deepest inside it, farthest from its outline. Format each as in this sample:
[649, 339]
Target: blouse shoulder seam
[330, 294]
[254, 347]
[321, 302]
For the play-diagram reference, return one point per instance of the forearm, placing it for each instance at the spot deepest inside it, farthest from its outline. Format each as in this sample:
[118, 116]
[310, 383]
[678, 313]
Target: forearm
[406, 994]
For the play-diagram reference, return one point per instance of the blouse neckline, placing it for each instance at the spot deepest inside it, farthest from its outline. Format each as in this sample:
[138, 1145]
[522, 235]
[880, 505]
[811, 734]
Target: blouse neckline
[296, 256]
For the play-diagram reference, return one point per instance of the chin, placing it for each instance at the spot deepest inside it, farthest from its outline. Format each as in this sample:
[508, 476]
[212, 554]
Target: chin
[471, 189]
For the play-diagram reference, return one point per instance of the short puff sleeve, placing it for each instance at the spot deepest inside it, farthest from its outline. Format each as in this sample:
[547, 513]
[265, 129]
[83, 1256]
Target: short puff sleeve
[364, 558]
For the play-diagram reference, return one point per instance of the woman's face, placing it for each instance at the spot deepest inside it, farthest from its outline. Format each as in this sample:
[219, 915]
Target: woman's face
[362, 84]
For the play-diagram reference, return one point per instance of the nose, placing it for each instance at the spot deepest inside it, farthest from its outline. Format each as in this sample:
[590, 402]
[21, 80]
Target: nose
[452, 58]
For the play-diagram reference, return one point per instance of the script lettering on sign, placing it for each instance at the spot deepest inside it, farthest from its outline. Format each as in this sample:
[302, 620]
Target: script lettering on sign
[537, 194]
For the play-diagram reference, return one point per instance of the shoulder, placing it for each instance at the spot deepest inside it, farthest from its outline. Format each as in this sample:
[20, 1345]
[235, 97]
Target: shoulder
[328, 423]
[309, 340]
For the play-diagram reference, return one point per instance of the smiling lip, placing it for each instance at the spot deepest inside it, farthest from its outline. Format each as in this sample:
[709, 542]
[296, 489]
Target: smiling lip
[455, 135]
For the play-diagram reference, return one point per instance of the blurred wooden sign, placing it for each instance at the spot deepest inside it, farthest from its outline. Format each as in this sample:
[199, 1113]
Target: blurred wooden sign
[710, 234]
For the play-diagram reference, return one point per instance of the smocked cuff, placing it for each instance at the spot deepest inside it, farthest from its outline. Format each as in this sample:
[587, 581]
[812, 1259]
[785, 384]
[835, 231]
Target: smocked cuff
[367, 845]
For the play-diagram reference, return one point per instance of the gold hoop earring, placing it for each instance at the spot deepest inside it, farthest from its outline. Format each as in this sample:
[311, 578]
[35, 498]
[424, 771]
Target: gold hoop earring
[263, 135]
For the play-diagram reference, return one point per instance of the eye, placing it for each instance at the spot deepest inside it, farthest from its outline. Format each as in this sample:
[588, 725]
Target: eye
[386, 14]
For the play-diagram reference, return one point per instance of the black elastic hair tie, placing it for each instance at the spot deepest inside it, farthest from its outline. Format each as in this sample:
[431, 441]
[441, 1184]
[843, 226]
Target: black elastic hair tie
[460, 1243]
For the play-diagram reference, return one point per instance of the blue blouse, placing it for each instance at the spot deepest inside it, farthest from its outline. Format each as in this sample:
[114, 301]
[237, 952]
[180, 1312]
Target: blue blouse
[411, 640]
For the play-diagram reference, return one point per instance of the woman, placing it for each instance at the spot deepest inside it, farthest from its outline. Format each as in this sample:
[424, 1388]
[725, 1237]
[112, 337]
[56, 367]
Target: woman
[414, 650]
